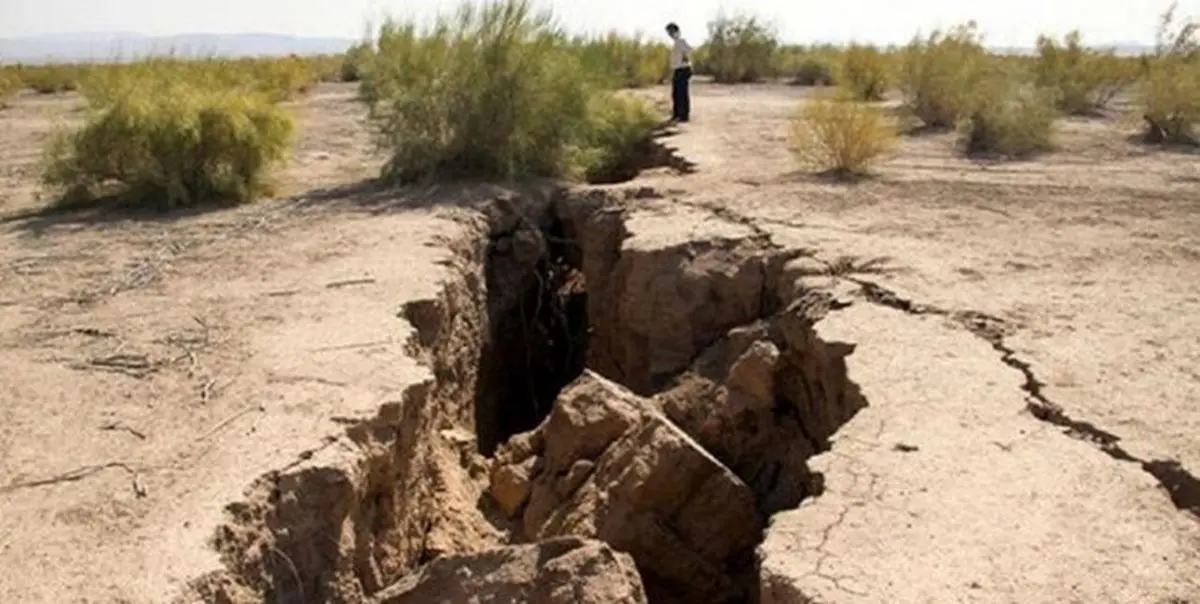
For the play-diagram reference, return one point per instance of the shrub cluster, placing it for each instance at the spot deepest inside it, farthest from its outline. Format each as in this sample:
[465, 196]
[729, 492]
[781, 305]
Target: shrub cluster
[499, 90]
[1083, 81]
[629, 62]
[739, 49]
[938, 75]
[1010, 116]
[10, 84]
[864, 72]
[171, 145]
[495, 90]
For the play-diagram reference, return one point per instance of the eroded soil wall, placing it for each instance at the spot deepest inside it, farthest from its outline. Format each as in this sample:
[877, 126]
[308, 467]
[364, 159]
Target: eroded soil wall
[710, 340]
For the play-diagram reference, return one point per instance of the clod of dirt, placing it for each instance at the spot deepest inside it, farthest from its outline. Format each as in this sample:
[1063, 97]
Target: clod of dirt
[654, 306]
[606, 465]
[555, 571]
[765, 398]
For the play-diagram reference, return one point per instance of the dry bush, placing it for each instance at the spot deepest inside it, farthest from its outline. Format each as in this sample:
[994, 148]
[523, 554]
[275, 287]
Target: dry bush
[277, 79]
[813, 72]
[354, 61]
[619, 138]
[630, 61]
[52, 79]
[864, 72]
[1084, 80]
[1170, 92]
[811, 66]
[739, 49]
[171, 144]
[526, 109]
[938, 74]
[10, 84]
[840, 136]
[1010, 117]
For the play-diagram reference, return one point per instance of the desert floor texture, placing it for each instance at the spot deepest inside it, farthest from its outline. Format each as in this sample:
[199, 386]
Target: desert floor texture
[284, 398]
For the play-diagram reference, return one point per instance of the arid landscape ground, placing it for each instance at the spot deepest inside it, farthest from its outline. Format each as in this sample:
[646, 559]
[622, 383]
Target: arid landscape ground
[278, 398]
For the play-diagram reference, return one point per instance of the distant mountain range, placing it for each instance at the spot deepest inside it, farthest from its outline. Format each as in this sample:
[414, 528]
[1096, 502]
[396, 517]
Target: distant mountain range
[110, 46]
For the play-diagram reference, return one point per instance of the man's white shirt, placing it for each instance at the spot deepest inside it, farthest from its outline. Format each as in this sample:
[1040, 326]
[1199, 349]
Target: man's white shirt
[679, 52]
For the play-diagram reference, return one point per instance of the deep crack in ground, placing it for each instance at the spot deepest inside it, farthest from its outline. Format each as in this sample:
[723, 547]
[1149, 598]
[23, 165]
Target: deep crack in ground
[662, 396]
[658, 396]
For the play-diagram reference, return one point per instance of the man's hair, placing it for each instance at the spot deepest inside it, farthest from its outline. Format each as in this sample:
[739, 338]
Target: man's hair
[672, 27]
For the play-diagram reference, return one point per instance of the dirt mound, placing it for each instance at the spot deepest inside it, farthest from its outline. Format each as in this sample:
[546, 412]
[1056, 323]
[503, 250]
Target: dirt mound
[695, 388]
[606, 465]
[554, 571]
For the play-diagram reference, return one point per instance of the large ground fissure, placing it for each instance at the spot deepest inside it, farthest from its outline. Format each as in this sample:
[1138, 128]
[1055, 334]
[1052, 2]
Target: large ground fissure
[661, 397]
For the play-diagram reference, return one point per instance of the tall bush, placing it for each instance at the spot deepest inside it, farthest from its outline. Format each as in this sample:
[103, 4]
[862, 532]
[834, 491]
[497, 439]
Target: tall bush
[10, 83]
[740, 49]
[494, 90]
[169, 145]
[1170, 93]
[840, 136]
[938, 74]
[1010, 116]
[1083, 80]
[864, 72]
[630, 61]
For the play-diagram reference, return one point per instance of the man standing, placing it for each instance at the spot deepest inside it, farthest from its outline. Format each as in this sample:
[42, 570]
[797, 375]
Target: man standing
[681, 74]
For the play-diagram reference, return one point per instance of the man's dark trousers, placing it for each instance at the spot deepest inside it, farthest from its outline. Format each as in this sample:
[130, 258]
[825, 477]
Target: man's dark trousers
[681, 99]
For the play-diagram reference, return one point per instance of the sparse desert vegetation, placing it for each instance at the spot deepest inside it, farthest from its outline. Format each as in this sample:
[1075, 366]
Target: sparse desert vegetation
[457, 312]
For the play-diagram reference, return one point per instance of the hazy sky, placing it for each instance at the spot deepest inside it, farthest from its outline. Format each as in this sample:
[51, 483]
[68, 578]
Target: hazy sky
[1006, 22]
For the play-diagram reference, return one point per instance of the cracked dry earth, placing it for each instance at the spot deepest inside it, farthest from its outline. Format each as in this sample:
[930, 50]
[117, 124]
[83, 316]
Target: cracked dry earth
[958, 382]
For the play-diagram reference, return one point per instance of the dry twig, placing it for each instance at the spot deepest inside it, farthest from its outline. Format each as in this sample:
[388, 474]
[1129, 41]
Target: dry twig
[139, 488]
[117, 426]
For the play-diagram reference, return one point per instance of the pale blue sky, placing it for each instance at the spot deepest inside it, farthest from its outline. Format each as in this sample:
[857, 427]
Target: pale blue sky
[1006, 22]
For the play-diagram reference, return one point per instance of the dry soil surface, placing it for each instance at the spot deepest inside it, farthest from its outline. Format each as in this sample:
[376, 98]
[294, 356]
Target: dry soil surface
[1027, 339]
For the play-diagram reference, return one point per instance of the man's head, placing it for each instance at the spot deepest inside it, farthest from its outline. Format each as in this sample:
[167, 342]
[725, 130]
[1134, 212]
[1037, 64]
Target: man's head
[672, 30]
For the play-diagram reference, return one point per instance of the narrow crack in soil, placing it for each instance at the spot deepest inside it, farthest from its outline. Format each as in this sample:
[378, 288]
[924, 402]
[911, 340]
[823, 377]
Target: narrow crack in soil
[1182, 486]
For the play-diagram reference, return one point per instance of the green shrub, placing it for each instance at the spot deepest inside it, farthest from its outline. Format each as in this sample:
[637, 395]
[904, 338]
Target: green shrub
[938, 74]
[1009, 117]
[494, 91]
[278, 79]
[172, 145]
[739, 49]
[1170, 92]
[813, 71]
[1084, 81]
[354, 61]
[864, 72]
[52, 79]
[618, 140]
[840, 136]
[630, 62]
[10, 83]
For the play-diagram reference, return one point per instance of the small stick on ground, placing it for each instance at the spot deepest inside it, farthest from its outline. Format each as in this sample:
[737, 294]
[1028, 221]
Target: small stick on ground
[78, 474]
[229, 420]
[349, 282]
[134, 365]
[117, 426]
[206, 390]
